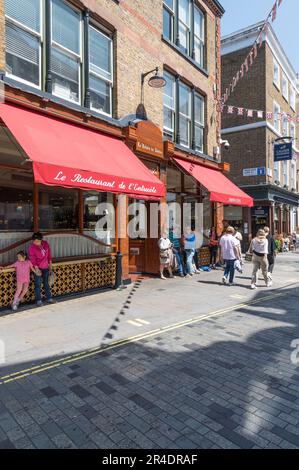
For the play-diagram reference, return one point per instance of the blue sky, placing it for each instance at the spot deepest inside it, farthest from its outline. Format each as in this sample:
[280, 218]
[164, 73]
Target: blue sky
[242, 13]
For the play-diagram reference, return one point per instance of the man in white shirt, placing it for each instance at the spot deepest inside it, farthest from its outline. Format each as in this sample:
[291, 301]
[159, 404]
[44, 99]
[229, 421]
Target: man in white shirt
[229, 254]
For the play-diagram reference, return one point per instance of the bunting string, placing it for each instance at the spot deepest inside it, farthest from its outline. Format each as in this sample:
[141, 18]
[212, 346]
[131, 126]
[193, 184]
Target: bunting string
[249, 60]
[257, 113]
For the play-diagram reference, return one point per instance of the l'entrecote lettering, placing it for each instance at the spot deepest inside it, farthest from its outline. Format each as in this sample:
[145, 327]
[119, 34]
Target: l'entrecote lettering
[144, 189]
[79, 179]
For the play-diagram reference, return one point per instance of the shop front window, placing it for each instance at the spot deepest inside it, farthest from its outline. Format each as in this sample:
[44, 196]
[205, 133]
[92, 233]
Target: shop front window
[58, 209]
[98, 215]
[16, 209]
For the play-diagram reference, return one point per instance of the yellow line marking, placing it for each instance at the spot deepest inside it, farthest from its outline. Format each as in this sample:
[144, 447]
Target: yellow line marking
[142, 321]
[135, 323]
[91, 352]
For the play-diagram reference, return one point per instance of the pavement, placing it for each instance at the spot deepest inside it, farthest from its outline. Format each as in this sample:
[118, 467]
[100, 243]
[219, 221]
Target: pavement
[175, 364]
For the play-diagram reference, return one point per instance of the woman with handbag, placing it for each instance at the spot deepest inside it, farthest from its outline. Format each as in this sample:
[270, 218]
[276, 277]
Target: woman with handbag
[259, 250]
[41, 259]
[166, 255]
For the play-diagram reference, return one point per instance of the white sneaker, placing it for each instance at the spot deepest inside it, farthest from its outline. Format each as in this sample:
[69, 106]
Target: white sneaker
[14, 307]
[270, 276]
[224, 279]
[269, 284]
[253, 286]
[163, 277]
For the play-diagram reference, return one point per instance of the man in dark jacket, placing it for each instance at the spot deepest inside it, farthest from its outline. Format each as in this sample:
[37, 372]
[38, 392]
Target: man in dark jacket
[271, 251]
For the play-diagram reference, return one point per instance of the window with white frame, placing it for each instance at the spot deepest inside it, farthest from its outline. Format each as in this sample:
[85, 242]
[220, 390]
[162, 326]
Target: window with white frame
[285, 87]
[276, 116]
[66, 51]
[286, 169]
[184, 25]
[23, 40]
[276, 74]
[169, 106]
[285, 125]
[293, 98]
[185, 114]
[168, 19]
[199, 119]
[276, 171]
[199, 34]
[100, 71]
[294, 175]
[293, 133]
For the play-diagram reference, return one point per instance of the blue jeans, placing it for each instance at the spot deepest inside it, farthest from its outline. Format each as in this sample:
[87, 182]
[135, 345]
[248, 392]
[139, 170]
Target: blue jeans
[230, 269]
[39, 280]
[190, 256]
[179, 259]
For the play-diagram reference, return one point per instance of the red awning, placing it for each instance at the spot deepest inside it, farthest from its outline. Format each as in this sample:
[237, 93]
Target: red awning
[220, 187]
[68, 155]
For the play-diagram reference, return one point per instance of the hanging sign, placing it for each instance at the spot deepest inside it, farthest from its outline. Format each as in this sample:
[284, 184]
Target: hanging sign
[283, 152]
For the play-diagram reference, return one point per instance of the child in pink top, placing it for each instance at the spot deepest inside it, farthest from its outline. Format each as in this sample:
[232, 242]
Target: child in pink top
[23, 267]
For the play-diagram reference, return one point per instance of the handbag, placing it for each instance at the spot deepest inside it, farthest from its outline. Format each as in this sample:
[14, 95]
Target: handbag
[51, 279]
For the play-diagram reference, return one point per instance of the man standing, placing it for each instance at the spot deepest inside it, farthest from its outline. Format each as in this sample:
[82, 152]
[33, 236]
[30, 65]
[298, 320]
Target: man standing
[271, 252]
[229, 254]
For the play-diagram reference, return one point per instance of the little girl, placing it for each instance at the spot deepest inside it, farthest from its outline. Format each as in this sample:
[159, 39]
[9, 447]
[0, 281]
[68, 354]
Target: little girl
[23, 268]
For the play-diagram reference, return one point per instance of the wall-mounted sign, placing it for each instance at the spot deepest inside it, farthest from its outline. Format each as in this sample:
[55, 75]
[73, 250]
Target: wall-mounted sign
[261, 171]
[149, 139]
[134, 251]
[261, 211]
[283, 152]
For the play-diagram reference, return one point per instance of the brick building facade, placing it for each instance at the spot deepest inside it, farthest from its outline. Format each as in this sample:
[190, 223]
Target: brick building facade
[81, 63]
[275, 188]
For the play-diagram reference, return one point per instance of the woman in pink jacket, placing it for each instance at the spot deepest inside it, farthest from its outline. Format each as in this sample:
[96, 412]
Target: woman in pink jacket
[41, 259]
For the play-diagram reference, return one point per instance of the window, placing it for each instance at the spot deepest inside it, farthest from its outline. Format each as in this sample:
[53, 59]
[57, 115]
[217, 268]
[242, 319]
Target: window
[276, 74]
[293, 98]
[293, 133]
[23, 40]
[184, 25]
[276, 114]
[100, 69]
[169, 106]
[168, 19]
[276, 171]
[199, 34]
[285, 125]
[198, 122]
[66, 51]
[16, 209]
[58, 208]
[285, 88]
[286, 169]
[294, 174]
[185, 114]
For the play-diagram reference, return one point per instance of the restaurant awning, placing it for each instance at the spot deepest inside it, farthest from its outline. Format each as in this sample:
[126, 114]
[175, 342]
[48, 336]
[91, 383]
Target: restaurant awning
[69, 155]
[220, 187]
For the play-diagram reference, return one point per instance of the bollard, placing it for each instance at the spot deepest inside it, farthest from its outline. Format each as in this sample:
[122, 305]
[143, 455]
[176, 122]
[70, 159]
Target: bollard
[118, 275]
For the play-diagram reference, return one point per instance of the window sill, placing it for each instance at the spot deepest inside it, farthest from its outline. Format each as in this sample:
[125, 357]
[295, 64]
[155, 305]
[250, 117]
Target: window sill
[194, 153]
[188, 58]
[54, 99]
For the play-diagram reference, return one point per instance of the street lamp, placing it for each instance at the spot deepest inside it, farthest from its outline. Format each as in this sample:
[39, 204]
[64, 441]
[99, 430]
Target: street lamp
[156, 81]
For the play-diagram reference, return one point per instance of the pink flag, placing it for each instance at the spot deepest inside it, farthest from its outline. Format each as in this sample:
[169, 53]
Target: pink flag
[269, 115]
[246, 64]
[250, 112]
[255, 50]
[274, 12]
[242, 70]
[297, 119]
[230, 109]
[279, 117]
[240, 111]
[260, 114]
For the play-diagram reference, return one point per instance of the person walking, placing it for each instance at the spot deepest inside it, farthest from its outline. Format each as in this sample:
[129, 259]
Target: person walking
[41, 259]
[165, 247]
[213, 247]
[259, 250]
[190, 246]
[271, 252]
[229, 254]
[23, 268]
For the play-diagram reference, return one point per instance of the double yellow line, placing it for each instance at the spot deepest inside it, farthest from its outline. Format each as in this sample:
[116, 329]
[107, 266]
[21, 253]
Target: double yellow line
[95, 351]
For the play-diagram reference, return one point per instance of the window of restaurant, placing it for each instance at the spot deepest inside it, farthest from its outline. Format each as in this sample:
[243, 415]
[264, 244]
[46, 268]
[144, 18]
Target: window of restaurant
[58, 209]
[16, 209]
[99, 216]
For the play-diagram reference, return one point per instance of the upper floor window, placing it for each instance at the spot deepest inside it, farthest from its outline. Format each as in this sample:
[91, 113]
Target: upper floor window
[276, 114]
[184, 114]
[286, 170]
[27, 59]
[168, 19]
[293, 98]
[23, 40]
[294, 175]
[276, 74]
[293, 133]
[285, 125]
[169, 106]
[184, 25]
[66, 55]
[285, 88]
[100, 69]
[276, 171]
